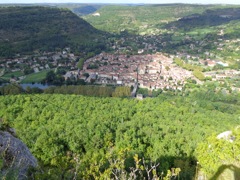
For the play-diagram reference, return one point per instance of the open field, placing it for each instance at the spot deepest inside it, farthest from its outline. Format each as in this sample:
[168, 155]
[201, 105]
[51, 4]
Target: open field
[35, 77]
[13, 74]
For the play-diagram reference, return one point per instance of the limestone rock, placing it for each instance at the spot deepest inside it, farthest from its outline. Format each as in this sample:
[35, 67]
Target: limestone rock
[16, 156]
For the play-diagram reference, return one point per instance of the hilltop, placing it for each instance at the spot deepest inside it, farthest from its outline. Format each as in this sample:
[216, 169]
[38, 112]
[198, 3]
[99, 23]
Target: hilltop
[25, 29]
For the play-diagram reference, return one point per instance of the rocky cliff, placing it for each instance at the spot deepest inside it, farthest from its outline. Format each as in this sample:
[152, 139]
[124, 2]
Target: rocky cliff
[16, 157]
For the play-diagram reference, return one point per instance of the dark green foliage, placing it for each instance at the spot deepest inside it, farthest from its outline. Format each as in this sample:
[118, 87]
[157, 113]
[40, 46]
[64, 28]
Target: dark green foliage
[33, 90]
[11, 89]
[207, 19]
[92, 66]
[6, 50]
[88, 90]
[97, 91]
[39, 28]
[54, 78]
[156, 93]
[143, 91]
[80, 63]
[28, 70]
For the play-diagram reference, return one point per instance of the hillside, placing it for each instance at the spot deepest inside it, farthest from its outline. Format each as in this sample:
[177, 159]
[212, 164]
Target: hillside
[25, 29]
[212, 34]
[208, 18]
[197, 32]
[147, 19]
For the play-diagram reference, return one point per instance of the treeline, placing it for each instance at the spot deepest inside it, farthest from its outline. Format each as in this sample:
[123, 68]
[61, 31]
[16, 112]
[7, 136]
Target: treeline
[86, 90]
[105, 138]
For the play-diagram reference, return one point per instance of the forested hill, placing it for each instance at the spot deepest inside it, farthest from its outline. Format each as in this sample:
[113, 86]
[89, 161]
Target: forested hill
[207, 19]
[24, 29]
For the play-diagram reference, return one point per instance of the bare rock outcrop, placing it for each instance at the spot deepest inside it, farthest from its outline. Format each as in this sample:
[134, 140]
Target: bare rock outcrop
[16, 156]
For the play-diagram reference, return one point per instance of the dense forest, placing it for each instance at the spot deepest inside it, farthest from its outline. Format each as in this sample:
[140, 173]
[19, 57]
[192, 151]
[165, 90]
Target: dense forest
[26, 29]
[81, 137]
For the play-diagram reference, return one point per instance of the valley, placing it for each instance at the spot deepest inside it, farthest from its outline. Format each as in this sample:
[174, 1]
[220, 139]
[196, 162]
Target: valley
[130, 91]
[214, 48]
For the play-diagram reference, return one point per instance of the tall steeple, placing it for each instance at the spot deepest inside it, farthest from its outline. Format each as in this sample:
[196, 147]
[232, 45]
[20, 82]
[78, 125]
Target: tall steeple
[137, 73]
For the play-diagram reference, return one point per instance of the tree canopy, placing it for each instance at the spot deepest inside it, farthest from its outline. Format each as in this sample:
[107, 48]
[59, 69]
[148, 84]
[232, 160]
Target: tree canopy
[96, 137]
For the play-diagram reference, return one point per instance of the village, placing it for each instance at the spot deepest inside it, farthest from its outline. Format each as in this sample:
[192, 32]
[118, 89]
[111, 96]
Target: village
[147, 70]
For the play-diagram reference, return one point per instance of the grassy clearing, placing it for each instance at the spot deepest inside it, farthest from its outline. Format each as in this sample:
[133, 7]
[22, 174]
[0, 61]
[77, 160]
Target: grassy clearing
[35, 77]
[13, 74]
[202, 31]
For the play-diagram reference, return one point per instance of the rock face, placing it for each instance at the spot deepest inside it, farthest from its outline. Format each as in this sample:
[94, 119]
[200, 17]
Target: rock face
[16, 156]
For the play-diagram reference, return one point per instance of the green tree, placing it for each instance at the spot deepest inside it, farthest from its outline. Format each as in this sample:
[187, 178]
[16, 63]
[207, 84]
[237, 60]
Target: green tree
[198, 74]
[80, 63]
[122, 91]
[215, 155]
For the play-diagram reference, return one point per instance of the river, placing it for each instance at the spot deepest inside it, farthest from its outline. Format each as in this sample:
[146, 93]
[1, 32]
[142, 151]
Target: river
[38, 85]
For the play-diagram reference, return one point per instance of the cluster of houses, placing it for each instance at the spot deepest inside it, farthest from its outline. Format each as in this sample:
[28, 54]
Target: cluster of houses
[222, 74]
[156, 71]
[40, 61]
[149, 71]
